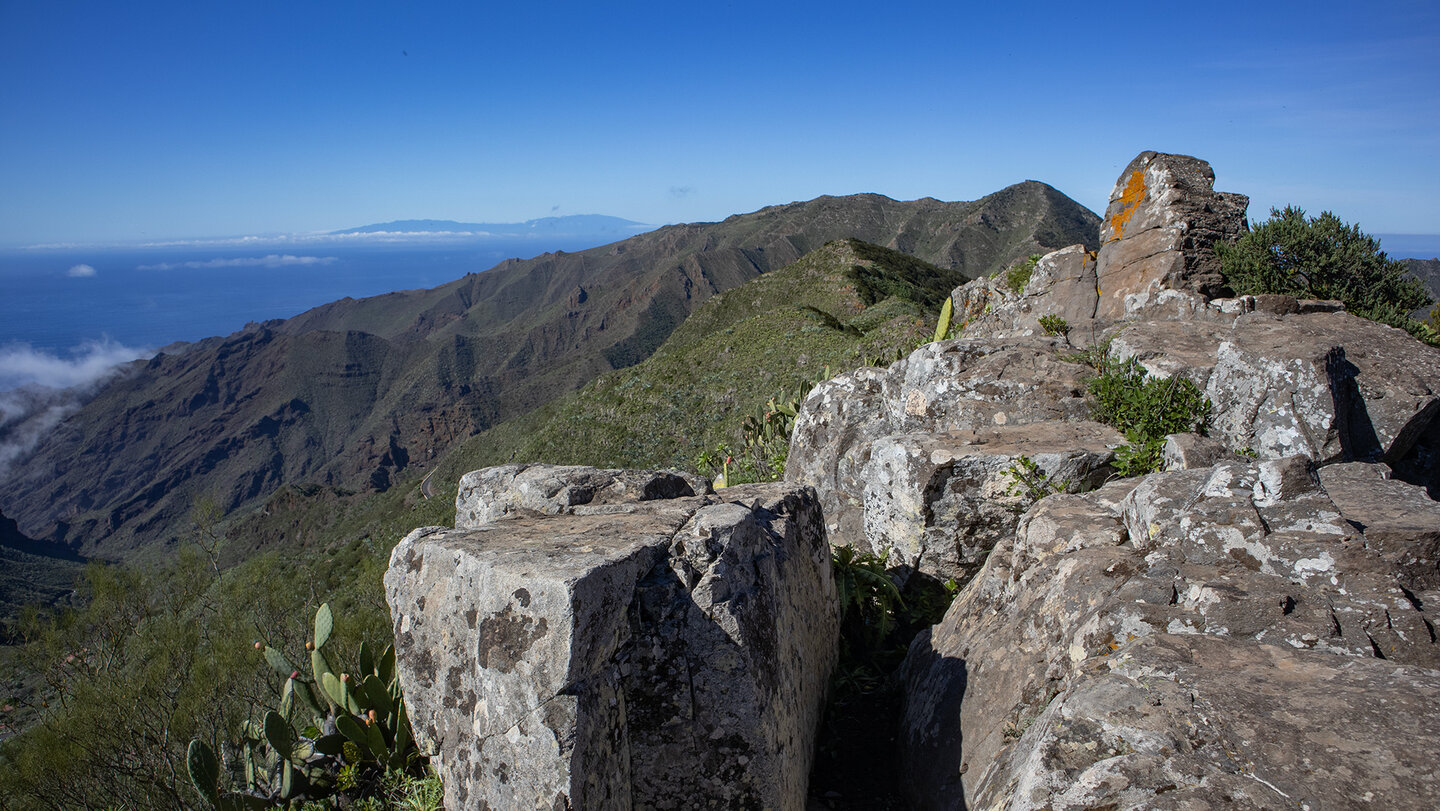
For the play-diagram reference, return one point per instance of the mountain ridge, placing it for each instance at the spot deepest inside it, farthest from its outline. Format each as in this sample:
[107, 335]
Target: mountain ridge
[355, 392]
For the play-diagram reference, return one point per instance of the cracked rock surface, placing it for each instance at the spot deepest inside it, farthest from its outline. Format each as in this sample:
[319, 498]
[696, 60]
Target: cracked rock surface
[1254, 627]
[1192, 639]
[661, 653]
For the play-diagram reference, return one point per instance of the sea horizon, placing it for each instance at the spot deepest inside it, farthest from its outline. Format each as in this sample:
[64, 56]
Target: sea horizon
[65, 303]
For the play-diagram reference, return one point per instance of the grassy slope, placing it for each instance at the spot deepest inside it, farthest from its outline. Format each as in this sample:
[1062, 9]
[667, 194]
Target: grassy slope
[778, 333]
[774, 335]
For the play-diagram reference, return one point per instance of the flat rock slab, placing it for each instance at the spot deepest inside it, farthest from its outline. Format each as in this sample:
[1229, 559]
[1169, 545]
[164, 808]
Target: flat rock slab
[1185, 721]
[1397, 519]
[669, 653]
[495, 493]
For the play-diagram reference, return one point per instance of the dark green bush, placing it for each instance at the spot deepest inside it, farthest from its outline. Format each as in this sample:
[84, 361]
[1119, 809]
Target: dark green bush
[1145, 409]
[1322, 257]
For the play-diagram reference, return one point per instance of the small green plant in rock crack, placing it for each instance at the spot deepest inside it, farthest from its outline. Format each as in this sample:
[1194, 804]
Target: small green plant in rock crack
[1054, 325]
[1145, 409]
[876, 618]
[1030, 483]
[869, 599]
[1018, 275]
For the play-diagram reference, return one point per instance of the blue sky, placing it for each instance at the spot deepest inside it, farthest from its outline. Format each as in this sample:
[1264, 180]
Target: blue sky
[145, 121]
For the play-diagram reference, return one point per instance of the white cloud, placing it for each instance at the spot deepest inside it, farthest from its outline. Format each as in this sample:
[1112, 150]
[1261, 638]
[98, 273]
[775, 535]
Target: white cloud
[20, 365]
[26, 417]
[270, 261]
[39, 389]
[80, 271]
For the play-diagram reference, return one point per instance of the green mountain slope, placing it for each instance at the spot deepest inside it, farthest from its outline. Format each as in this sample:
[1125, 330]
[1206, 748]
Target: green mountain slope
[777, 333]
[356, 393]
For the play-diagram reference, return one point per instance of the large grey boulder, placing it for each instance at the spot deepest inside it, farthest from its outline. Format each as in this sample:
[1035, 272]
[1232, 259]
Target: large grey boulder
[959, 385]
[1160, 229]
[667, 653]
[1189, 639]
[973, 383]
[938, 502]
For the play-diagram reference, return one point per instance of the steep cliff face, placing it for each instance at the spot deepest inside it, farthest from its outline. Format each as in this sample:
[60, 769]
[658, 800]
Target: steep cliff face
[355, 392]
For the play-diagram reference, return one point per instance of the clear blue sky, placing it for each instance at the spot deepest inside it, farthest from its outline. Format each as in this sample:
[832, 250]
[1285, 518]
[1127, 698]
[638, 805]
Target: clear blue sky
[142, 120]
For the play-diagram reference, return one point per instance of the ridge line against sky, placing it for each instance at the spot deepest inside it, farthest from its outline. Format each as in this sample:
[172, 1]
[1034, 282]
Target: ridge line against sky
[153, 121]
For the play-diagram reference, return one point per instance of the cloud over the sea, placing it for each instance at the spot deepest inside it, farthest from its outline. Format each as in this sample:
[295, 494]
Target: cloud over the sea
[38, 389]
[80, 271]
[273, 260]
[21, 365]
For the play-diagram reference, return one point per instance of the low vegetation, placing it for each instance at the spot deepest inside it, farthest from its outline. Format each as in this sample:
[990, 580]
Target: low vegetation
[1324, 258]
[1145, 409]
[112, 687]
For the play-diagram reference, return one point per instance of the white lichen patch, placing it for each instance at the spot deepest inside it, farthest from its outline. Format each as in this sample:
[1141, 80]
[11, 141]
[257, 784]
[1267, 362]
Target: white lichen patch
[1305, 568]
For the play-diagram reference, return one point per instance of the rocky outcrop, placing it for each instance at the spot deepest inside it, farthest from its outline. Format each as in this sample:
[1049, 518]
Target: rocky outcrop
[1254, 625]
[1161, 225]
[651, 651]
[1192, 639]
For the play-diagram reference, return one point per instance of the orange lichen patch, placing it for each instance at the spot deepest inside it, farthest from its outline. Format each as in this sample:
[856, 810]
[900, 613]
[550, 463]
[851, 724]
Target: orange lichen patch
[1130, 200]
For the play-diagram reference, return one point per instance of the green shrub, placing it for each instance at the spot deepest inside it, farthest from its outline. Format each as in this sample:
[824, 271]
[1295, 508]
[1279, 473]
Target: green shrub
[1054, 324]
[1322, 257]
[1019, 274]
[1145, 409]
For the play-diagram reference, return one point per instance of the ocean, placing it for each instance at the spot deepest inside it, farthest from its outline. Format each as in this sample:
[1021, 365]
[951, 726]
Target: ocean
[55, 301]
[67, 306]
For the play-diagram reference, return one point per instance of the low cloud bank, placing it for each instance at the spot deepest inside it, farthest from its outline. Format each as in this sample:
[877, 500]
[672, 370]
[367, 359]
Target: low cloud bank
[271, 261]
[39, 389]
[81, 271]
